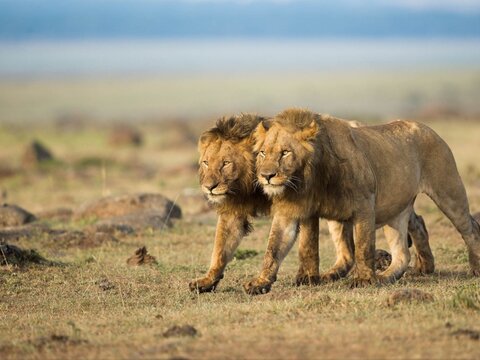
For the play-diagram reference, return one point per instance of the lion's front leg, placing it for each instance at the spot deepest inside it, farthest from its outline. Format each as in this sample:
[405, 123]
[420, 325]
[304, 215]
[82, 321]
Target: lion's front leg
[363, 272]
[282, 236]
[308, 271]
[230, 231]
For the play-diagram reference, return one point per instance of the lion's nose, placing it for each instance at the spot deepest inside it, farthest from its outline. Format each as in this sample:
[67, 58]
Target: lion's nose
[211, 186]
[268, 176]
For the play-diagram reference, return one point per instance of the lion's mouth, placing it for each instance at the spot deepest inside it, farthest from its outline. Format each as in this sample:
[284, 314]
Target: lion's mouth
[273, 189]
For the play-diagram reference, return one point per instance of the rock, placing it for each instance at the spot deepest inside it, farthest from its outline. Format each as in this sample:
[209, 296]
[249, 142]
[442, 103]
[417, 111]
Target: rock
[408, 296]
[141, 257]
[112, 228]
[13, 215]
[113, 206]
[122, 135]
[183, 330]
[383, 259]
[193, 202]
[13, 255]
[81, 239]
[136, 222]
[36, 153]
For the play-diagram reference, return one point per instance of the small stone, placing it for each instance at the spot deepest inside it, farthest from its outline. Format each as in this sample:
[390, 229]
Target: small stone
[183, 330]
[13, 215]
[141, 257]
[36, 153]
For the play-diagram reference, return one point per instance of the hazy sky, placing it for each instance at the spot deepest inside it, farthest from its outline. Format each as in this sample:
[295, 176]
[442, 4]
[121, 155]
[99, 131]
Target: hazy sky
[454, 5]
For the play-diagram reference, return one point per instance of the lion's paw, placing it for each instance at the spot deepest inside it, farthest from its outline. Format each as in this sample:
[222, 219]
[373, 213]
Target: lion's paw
[423, 267]
[204, 284]
[330, 276]
[304, 279]
[257, 286]
[363, 280]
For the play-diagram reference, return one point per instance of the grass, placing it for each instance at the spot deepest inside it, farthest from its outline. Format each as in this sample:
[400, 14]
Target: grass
[67, 311]
[387, 92]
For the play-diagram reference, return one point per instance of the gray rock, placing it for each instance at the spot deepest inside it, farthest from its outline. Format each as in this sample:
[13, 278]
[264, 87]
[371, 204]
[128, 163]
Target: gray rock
[136, 211]
[13, 215]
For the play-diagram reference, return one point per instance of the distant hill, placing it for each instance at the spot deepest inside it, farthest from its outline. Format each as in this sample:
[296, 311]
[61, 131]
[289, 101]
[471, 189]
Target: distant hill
[67, 19]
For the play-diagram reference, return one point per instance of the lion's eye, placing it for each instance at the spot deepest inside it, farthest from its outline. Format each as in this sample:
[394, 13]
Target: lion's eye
[262, 153]
[226, 162]
[205, 162]
[285, 152]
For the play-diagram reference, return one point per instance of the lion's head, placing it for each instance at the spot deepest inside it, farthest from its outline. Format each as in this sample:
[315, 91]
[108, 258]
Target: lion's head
[284, 148]
[226, 159]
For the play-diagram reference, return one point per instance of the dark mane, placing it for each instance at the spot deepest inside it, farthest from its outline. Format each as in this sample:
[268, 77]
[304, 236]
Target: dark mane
[236, 127]
[296, 118]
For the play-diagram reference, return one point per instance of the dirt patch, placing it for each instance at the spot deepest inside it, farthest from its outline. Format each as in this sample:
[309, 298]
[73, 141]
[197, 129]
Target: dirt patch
[471, 334]
[36, 153]
[141, 257]
[13, 255]
[60, 214]
[6, 171]
[105, 284]
[124, 135]
[13, 215]
[56, 340]
[383, 259]
[181, 331]
[408, 296]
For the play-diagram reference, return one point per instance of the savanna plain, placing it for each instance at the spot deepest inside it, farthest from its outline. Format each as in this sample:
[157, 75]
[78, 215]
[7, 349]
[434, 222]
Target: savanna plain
[82, 299]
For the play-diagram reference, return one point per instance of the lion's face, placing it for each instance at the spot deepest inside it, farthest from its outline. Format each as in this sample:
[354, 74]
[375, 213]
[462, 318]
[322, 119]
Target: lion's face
[281, 157]
[225, 169]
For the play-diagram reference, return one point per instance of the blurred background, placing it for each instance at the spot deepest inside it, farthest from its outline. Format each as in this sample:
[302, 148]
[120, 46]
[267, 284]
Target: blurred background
[102, 97]
[196, 59]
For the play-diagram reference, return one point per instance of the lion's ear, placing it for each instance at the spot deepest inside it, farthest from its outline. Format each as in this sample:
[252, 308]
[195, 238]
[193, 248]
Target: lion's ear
[309, 132]
[258, 136]
[205, 139]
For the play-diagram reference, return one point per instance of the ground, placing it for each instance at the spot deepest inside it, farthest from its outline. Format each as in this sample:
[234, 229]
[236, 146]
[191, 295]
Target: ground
[91, 304]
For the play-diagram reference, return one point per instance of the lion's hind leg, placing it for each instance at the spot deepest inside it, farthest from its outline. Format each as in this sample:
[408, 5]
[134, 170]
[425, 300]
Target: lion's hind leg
[342, 236]
[424, 260]
[454, 205]
[448, 193]
[396, 232]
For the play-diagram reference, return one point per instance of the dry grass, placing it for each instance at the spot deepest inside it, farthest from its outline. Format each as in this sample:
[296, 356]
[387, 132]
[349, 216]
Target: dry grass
[91, 304]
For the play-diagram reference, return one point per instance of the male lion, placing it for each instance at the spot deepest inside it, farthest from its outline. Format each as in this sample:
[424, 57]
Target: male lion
[227, 177]
[366, 176]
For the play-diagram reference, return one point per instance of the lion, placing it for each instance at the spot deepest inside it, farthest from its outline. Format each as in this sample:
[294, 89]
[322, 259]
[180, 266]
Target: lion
[227, 177]
[367, 177]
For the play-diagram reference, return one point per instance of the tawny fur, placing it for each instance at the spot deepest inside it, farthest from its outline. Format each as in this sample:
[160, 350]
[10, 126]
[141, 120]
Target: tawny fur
[369, 176]
[227, 161]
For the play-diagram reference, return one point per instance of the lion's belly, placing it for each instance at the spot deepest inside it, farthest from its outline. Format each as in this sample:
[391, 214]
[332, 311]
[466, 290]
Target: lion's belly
[395, 163]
